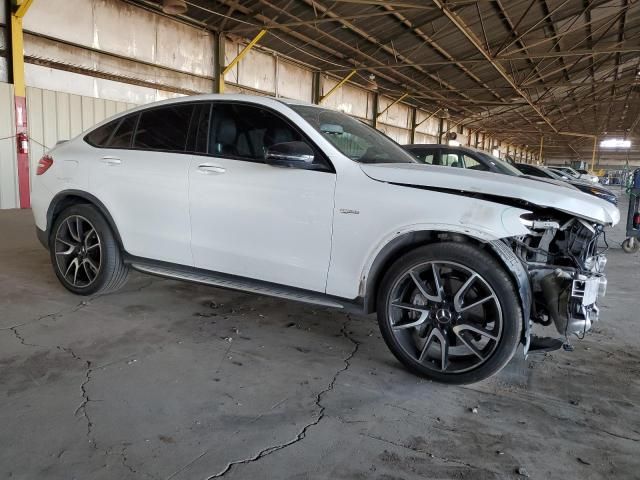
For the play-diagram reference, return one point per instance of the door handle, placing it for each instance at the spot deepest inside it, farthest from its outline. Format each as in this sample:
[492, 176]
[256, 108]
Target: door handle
[111, 160]
[209, 169]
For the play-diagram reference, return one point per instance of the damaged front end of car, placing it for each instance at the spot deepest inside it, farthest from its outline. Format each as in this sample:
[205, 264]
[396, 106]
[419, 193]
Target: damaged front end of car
[565, 261]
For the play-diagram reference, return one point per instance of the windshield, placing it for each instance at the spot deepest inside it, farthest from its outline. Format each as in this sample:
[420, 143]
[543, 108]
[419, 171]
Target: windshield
[501, 165]
[358, 141]
[556, 175]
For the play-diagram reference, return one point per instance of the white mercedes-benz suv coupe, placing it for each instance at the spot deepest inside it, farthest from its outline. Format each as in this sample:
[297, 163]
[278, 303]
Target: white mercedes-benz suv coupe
[296, 201]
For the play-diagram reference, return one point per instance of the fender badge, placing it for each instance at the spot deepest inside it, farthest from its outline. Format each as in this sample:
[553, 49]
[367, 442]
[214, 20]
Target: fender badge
[348, 211]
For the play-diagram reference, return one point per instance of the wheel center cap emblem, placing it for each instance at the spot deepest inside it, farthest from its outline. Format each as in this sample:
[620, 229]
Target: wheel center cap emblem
[444, 316]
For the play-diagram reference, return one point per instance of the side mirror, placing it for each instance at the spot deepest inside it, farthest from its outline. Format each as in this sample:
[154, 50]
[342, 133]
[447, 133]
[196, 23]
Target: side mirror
[290, 154]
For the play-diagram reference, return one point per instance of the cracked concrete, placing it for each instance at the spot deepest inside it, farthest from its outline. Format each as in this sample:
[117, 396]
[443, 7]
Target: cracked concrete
[303, 433]
[171, 381]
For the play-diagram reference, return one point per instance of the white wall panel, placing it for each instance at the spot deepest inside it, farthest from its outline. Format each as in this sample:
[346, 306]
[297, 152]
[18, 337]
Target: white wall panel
[294, 82]
[400, 135]
[398, 115]
[72, 21]
[257, 70]
[348, 98]
[425, 138]
[117, 27]
[8, 160]
[430, 126]
[61, 81]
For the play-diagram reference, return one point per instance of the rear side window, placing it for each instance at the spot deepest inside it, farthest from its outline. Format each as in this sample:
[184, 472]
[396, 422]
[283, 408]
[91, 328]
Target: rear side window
[425, 156]
[100, 136]
[124, 133]
[164, 128]
[451, 160]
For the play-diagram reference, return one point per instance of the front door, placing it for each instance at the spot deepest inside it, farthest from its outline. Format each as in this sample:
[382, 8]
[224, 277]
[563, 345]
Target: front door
[255, 220]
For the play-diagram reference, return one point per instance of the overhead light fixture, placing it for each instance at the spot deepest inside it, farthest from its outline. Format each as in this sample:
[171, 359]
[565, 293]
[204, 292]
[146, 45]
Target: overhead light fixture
[615, 143]
[174, 7]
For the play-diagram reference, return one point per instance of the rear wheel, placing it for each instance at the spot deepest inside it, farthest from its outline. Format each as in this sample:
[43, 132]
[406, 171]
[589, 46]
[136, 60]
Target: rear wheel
[449, 312]
[85, 255]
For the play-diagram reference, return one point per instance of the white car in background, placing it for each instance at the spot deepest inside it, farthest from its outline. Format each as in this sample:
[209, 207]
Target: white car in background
[576, 174]
[292, 200]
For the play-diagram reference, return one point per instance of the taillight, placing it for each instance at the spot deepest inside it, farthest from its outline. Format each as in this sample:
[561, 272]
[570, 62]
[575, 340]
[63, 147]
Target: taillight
[44, 164]
[636, 220]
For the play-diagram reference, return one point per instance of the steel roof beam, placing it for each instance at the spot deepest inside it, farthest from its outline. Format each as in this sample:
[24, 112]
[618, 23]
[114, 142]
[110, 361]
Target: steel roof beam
[471, 37]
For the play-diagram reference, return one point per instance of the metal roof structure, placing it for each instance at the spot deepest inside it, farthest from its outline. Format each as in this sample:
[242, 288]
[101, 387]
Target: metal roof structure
[518, 69]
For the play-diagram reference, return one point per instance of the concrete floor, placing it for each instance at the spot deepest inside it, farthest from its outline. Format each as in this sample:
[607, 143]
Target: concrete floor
[166, 380]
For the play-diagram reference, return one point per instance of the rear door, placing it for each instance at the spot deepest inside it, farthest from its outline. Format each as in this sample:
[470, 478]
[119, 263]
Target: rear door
[141, 176]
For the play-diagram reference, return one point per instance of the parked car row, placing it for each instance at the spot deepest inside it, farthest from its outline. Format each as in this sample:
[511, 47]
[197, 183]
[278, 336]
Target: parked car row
[288, 199]
[469, 158]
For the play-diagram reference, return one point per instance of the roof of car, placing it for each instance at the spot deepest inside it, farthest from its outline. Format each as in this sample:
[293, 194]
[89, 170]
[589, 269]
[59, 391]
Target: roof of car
[257, 99]
[439, 145]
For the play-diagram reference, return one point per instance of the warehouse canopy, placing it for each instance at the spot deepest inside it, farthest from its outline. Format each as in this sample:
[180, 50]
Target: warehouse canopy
[520, 69]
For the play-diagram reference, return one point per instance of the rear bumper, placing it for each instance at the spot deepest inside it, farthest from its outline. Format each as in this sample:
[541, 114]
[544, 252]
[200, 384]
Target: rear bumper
[43, 237]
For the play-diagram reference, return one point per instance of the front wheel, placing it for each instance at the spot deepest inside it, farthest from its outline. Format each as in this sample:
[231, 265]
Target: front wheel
[86, 257]
[450, 312]
[631, 245]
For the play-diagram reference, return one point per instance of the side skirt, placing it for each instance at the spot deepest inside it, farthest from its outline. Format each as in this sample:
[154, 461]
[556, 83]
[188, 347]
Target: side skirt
[232, 282]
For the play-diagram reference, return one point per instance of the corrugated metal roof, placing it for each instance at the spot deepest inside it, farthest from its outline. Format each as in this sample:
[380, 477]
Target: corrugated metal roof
[537, 67]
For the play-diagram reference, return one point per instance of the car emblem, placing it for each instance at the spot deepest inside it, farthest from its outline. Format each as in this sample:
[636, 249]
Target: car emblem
[444, 316]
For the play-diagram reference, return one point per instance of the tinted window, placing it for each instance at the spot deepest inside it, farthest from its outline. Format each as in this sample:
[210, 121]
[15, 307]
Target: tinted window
[124, 134]
[473, 164]
[199, 130]
[425, 156]
[164, 128]
[100, 136]
[529, 170]
[244, 131]
[451, 160]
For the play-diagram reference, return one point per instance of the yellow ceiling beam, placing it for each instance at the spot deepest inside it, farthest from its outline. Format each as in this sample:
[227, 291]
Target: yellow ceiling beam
[398, 100]
[337, 86]
[240, 56]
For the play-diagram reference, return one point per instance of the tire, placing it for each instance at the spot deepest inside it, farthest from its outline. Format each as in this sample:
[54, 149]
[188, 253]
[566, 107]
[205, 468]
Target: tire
[629, 247]
[85, 255]
[424, 302]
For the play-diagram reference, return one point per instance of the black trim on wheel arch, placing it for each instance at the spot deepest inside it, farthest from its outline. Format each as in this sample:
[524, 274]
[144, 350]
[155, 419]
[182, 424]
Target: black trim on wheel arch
[90, 199]
[43, 237]
[521, 277]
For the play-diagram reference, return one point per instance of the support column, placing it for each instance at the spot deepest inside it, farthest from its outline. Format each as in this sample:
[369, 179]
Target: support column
[541, 146]
[239, 57]
[316, 92]
[593, 156]
[376, 106]
[18, 10]
[412, 135]
[218, 64]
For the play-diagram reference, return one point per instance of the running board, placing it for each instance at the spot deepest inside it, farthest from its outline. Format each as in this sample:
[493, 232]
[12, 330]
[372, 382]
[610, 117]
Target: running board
[244, 285]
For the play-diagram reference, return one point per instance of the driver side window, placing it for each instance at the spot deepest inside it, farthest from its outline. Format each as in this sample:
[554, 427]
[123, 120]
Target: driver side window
[246, 132]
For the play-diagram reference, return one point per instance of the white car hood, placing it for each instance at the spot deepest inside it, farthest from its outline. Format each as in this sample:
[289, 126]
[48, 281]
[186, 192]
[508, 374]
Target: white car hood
[540, 193]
